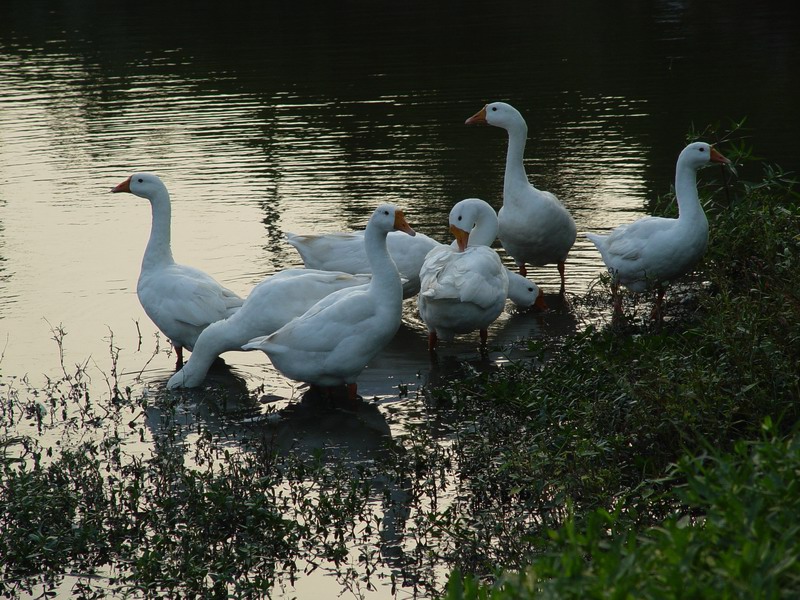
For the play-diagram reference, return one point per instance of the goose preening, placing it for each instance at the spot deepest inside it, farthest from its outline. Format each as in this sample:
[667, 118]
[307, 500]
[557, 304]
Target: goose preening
[463, 288]
[180, 300]
[534, 226]
[268, 307]
[333, 341]
[653, 251]
[344, 251]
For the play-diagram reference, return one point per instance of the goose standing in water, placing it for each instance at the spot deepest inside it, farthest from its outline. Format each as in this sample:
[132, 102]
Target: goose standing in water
[180, 300]
[464, 288]
[332, 343]
[651, 252]
[534, 226]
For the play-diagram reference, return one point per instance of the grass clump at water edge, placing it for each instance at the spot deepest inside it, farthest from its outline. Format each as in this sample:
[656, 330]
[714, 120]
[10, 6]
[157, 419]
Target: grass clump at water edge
[589, 442]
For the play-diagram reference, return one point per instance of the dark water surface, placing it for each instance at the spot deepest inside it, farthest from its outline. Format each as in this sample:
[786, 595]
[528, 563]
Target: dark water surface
[273, 118]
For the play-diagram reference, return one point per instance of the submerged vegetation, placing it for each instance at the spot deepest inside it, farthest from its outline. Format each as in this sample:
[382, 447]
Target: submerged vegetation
[632, 460]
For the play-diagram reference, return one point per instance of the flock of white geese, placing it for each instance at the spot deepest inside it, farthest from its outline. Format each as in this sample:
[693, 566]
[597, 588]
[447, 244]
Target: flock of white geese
[322, 324]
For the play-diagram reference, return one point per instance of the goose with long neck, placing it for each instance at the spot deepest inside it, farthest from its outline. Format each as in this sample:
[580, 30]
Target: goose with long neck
[535, 228]
[463, 288]
[651, 252]
[180, 300]
[333, 341]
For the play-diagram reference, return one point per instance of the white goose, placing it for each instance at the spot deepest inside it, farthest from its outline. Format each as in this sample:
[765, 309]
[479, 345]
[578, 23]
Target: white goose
[268, 307]
[523, 292]
[344, 251]
[652, 251]
[463, 288]
[534, 227]
[180, 300]
[332, 343]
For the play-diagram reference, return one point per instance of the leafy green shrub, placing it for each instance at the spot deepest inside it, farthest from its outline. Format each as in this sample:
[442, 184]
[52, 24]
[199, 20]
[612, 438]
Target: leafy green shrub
[585, 441]
[734, 535]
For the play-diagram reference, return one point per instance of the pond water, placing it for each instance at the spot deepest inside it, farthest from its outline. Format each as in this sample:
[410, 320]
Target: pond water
[272, 119]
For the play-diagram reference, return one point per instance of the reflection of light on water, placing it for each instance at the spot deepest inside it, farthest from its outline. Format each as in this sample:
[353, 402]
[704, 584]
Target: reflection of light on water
[604, 166]
[598, 173]
[334, 165]
[237, 164]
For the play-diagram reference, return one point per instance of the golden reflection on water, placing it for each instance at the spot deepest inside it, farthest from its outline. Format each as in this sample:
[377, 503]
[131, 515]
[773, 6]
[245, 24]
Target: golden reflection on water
[241, 170]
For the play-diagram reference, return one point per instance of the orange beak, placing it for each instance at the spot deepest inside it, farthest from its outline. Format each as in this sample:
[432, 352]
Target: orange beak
[401, 224]
[718, 158]
[462, 237]
[479, 118]
[125, 186]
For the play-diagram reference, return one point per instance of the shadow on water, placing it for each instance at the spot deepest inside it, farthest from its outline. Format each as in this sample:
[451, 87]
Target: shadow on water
[315, 428]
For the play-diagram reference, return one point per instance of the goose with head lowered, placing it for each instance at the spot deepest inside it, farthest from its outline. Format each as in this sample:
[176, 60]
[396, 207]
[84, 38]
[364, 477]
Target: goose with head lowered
[268, 307]
[463, 288]
[344, 251]
[330, 344]
[535, 228]
[180, 300]
[653, 251]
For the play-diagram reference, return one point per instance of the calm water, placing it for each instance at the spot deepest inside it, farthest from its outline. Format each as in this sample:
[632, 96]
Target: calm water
[271, 120]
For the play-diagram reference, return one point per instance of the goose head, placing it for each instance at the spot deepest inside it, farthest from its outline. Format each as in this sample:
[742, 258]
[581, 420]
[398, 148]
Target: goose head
[387, 217]
[144, 185]
[525, 293]
[498, 114]
[473, 222]
[699, 154]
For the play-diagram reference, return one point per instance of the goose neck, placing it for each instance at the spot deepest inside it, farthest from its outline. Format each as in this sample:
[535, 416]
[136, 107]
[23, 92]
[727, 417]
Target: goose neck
[515, 168]
[158, 251]
[686, 192]
[215, 339]
[384, 271]
[486, 228]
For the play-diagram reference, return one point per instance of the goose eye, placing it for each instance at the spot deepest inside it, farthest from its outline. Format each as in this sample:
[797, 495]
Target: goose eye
[386, 212]
[530, 289]
[494, 109]
[140, 180]
[702, 149]
[459, 217]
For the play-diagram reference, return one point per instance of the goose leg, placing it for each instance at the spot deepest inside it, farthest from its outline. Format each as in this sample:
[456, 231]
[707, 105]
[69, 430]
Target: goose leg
[484, 337]
[433, 339]
[563, 279]
[352, 393]
[179, 360]
[617, 299]
[656, 314]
